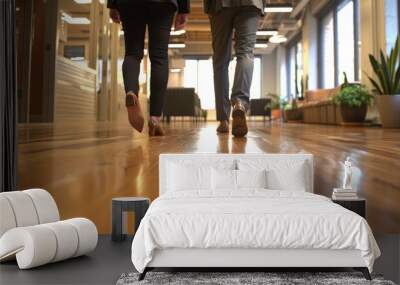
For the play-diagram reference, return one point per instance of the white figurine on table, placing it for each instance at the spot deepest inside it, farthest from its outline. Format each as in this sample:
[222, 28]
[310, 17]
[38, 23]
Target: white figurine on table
[347, 174]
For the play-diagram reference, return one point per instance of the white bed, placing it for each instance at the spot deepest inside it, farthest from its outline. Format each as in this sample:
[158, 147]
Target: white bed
[202, 220]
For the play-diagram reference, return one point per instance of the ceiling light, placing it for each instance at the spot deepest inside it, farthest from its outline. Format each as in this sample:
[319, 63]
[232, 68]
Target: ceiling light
[261, 45]
[175, 70]
[83, 1]
[277, 39]
[177, 45]
[267, 33]
[177, 33]
[278, 8]
[75, 20]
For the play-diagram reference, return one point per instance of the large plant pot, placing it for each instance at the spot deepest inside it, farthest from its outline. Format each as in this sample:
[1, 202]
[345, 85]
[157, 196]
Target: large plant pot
[276, 113]
[389, 110]
[294, 115]
[353, 114]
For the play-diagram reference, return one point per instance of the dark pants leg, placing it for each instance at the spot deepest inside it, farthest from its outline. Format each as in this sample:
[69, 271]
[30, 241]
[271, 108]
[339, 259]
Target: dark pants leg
[245, 24]
[133, 19]
[160, 22]
[158, 17]
[221, 29]
[244, 20]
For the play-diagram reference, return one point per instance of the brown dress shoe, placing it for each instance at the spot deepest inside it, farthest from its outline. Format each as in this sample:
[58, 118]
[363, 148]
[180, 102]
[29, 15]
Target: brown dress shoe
[239, 124]
[155, 129]
[223, 127]
[135, 114]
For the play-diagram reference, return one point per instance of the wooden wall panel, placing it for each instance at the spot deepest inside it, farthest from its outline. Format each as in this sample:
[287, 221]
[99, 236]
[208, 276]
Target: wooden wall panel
[75, 92]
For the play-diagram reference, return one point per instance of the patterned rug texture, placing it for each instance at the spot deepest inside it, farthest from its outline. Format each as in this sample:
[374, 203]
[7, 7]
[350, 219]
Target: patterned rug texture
[244, 278]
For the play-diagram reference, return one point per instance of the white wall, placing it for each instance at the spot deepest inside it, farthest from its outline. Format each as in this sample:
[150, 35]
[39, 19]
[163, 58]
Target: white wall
[268, 74]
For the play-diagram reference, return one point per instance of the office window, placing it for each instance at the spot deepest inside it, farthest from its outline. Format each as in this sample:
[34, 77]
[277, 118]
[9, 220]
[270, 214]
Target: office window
[198, 74]
[328, 52]
[339, 43]
[391, 22]
[345, 41]
[295, 69]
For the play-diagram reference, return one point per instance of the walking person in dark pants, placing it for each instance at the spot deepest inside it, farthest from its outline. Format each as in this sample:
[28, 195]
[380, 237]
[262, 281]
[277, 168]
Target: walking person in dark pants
[157, 16]
[226, 16]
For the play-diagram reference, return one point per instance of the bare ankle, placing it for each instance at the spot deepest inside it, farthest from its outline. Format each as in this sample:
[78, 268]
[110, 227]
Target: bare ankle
[155, 119]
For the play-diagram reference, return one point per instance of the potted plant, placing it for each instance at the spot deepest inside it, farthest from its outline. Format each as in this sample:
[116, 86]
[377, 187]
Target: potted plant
[292, 113]
[387, 86]
[353, 100]
[275, 106]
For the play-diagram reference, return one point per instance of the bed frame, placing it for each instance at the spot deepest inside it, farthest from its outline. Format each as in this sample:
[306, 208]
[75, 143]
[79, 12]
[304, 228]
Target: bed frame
[249, 259]
[246, 259]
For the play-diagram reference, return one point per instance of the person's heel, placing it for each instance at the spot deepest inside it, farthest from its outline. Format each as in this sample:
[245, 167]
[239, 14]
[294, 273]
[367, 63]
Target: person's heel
[239, 123]
[135, 114]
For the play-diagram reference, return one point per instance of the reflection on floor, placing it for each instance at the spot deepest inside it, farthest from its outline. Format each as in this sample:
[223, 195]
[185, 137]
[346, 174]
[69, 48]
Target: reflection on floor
[84, 166]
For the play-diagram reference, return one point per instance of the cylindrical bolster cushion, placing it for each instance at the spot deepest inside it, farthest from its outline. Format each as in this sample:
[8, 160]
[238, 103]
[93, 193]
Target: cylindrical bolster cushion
[67, 240]
[41, 244]
[23, 208]
[7, 218]
[87, 235]
[45, 205]
[33, 246]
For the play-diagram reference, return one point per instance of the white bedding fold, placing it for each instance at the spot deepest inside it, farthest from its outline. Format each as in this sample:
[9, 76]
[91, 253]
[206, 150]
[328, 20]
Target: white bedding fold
[250, 219]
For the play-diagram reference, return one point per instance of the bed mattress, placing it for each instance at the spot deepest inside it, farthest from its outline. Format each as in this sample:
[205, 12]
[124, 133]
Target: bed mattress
[250, 219]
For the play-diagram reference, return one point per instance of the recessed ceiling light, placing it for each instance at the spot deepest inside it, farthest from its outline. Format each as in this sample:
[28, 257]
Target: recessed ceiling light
[277, 39]
[278, 8]
[267, 33]
[177, 33]
[177, 45]
[260, 45]
[83, 1]
[75, 20]
[175, 70]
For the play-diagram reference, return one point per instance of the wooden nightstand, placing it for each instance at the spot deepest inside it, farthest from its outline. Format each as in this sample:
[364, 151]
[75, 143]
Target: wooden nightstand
[358, 206]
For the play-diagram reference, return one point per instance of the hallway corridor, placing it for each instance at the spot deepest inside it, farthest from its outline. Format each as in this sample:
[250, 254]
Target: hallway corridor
[84, 166]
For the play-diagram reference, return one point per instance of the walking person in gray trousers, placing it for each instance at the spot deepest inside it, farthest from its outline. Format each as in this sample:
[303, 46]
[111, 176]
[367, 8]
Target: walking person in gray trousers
[242, 17]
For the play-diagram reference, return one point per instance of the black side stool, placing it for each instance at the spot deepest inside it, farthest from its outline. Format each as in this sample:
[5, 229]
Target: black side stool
[120, 206]
[356, 205]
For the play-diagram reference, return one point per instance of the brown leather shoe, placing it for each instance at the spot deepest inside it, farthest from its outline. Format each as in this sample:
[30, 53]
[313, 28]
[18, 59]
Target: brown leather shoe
[223, 127]
[135, 114]
[239, 124]
[155, 129]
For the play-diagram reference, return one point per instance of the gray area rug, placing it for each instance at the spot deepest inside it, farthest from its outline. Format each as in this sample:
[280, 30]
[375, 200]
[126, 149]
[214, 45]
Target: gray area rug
[269, 278]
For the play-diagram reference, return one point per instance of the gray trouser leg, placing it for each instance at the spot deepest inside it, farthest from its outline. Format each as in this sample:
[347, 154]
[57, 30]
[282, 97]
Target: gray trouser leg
[221, 29]
[245, 24]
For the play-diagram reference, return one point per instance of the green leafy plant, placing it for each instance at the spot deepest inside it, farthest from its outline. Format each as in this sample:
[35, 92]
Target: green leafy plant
[353, 95]
[275, 102]
[387, 70]
[284, 104]
[345, 83]
[292, 105]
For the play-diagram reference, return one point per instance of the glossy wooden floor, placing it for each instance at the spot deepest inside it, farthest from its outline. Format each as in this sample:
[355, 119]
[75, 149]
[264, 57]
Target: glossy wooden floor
[85, 166]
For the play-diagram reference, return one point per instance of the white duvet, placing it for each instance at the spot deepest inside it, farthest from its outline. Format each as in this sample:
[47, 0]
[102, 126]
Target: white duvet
[250, 219]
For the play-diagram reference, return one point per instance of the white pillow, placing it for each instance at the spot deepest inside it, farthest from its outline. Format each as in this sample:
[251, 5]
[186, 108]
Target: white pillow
[291, 179]
[282, 174]
[251, 179]
[223, 179]
[181, 177]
